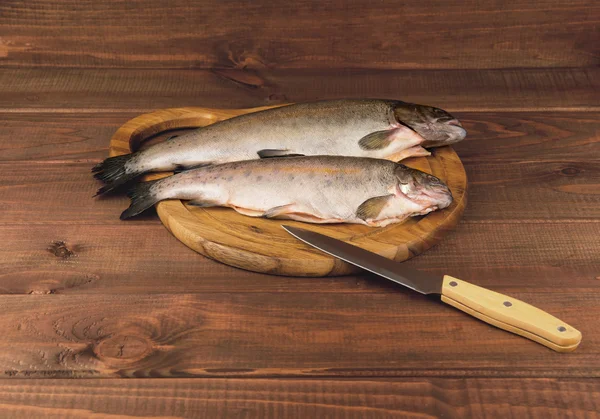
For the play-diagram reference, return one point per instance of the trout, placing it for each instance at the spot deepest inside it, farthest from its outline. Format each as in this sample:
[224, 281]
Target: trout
[384, 129]
[313, 189]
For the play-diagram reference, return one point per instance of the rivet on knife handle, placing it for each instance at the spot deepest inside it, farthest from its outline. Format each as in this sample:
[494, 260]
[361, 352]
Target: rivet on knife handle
[510, 314]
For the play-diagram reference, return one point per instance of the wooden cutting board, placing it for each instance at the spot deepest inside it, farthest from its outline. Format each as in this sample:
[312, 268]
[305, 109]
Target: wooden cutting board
[261, 245]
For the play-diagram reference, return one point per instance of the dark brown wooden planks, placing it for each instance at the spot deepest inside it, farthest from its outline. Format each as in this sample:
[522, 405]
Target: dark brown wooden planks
[493, 136]
[57, 137]
[564, 191]
[536, 191]
[300, 34]
[530, 137]
[398, 333]
[71, 90]
[542, 216]
[145, 258]
[302, 398]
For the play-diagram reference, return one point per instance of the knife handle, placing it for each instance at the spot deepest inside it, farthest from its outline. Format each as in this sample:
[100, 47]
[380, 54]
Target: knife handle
[510, 314]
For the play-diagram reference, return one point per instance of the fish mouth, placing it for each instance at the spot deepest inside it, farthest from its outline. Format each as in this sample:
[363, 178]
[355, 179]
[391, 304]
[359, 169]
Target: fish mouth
[457, 132]
[439, 198]
[449, 133]
[436, 126]
[438, 133]
[432, 200]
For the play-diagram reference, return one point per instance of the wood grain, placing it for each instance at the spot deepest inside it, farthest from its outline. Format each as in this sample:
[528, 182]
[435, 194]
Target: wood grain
[56, 238]
[143, 90]
[516, 137]
[302, 34]
[530, 137]
[398, 333]
[303, 398]
[56, 137]
[105, 259]
[534, 191]
[530, 230]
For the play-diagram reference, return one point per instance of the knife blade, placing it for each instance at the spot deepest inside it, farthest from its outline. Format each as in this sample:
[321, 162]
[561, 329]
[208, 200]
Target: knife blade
[494, 308]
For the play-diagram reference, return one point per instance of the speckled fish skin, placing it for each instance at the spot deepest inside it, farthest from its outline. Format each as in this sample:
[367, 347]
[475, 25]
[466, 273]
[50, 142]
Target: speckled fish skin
[318, 128]
[317, 189]
[385, 129]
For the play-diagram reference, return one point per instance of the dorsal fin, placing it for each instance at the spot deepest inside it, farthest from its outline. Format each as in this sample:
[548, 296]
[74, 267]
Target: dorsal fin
[270, 153]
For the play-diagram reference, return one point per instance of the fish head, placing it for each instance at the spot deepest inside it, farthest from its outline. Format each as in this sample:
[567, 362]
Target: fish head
[435, 125]
[426, 191]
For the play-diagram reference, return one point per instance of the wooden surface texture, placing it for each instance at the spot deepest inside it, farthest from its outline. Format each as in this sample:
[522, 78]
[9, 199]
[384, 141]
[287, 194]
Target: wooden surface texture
[150, 328]
[82, 300]
[282, 398]
[429, 34]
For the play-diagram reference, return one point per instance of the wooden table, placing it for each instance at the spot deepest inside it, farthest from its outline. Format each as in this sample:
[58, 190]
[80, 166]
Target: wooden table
[149, 328]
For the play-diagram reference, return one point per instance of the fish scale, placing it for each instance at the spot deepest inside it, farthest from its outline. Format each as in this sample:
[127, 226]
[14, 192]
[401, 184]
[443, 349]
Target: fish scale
[317, 189]
[384, 129]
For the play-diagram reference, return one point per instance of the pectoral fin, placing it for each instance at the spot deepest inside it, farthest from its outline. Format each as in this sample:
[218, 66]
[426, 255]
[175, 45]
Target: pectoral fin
[376, 140]
[280, 210]
[372, 207]
[269, 153]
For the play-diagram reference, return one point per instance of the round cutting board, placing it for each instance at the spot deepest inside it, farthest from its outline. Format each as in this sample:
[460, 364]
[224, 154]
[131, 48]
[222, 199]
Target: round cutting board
[261, 245]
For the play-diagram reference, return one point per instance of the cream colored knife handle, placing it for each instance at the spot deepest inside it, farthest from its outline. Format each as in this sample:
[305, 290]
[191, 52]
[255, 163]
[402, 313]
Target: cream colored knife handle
[510, 314]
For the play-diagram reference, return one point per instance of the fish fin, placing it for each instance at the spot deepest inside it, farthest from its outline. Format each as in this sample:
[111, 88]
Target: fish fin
[269, 153]
[376, 140]
[280, 210]
[112, 171]
[247, 211]
[387, 221]
[308, 218]
[372, 207]
[181, 168]
[415, 151]
[142, 198]
[203, 203]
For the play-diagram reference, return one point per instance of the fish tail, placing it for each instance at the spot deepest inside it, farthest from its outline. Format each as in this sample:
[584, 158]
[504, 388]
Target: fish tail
[113, 172]
[142, 197]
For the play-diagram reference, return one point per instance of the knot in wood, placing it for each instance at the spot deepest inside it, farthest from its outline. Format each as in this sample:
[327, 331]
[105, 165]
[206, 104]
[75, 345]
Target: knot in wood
[120, 350]
[570, 171]
[60, 250]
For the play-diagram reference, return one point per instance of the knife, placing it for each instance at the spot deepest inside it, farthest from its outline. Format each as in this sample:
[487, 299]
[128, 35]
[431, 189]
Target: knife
[494, 308]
